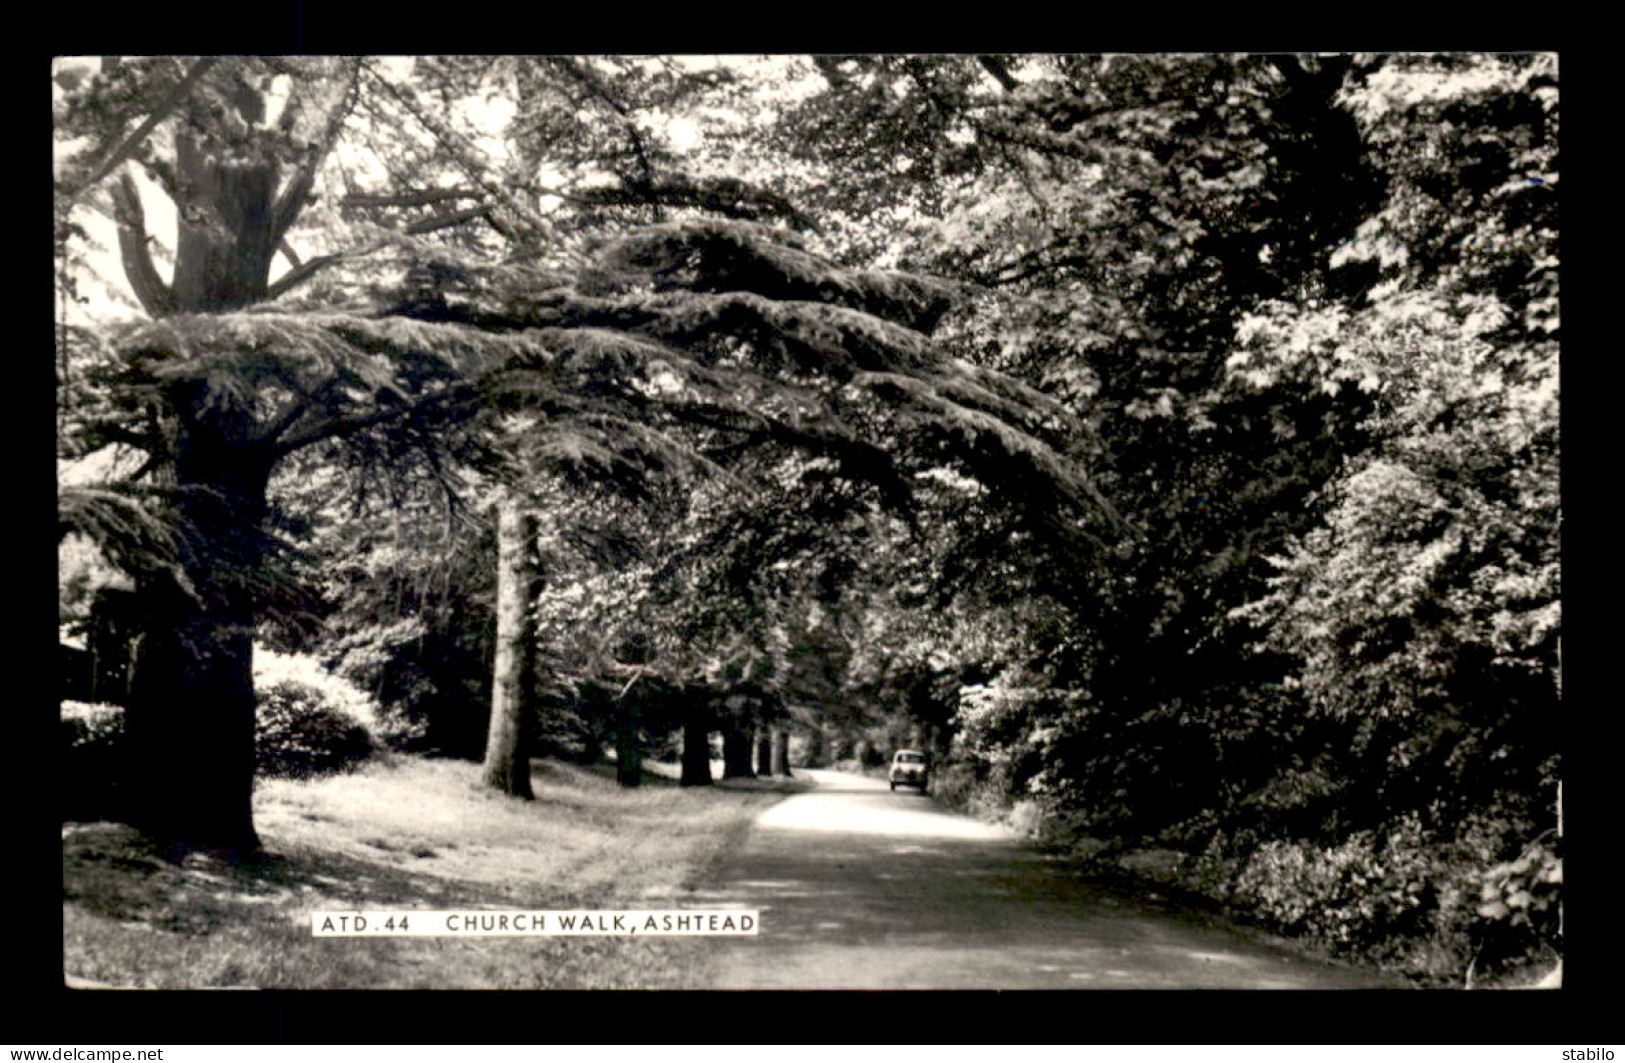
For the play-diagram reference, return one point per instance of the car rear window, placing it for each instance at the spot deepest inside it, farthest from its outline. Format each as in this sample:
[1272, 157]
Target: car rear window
[910, 758]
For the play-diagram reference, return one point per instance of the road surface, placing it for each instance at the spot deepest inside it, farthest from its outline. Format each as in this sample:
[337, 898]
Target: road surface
[862, 888]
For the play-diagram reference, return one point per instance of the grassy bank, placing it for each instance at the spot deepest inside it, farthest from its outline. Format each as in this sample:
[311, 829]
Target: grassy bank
[407, 833]
[1401, 903]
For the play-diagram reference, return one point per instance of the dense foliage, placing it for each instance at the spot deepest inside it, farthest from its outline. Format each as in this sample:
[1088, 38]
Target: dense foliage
[301, 733]
[1309, 307]
[1169, 441]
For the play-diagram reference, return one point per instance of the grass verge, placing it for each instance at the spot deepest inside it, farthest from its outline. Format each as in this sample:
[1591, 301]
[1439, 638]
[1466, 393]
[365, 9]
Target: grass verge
[407, 833]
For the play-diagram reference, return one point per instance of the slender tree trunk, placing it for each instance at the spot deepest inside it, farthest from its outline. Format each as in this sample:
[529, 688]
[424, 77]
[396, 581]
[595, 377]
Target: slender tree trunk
[781, 751]
[592, 744]
[764, 752]
[736, 753]
[628, 751]
[817, 748]
[697, 746]
[507, 755]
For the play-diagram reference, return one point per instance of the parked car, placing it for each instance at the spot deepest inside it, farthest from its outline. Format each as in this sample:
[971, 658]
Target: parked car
[910, 767]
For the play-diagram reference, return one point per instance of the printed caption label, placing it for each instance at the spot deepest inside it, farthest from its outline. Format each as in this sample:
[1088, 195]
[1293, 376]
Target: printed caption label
[690, 922]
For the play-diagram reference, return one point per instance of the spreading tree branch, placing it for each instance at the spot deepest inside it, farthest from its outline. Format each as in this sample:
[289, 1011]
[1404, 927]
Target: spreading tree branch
[446, 221]
[128, 146]
[303, 271]
[289, 253]
[298, 408]
[466, 155]
[422, 198]
[338, 427]
[134, 252]
[996, 66]
[596, 87]
[292, 199]
[728, 196]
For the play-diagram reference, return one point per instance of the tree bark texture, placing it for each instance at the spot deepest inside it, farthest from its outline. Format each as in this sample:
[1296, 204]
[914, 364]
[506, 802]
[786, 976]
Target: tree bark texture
[764, 752]
[115, 623]
[192, 708]
[696, 746]
[736, 748]
[507, 756]
[191, 718]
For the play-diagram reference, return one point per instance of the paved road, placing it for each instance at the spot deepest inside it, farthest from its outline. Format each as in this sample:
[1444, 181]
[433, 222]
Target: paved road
[862, 888]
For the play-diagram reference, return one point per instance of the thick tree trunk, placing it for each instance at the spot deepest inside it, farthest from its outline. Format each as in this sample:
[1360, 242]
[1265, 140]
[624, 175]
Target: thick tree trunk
[736, 753]
[628, 750]
[191, 712]
[224, 199]
[781, 751]
[764, 752]
[115, 623]
[190, 731]
[507, 756]
[697, 746]
[191, 717]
